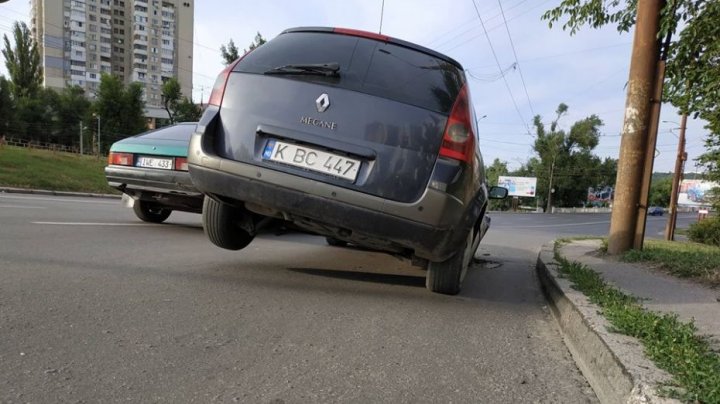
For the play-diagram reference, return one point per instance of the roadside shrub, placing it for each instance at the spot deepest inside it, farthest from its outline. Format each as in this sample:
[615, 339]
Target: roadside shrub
[706, 231]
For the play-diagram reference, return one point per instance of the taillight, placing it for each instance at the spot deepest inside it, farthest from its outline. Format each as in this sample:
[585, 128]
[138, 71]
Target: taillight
[218, 90]
[181, 164]
[120, 159]
[458, 139]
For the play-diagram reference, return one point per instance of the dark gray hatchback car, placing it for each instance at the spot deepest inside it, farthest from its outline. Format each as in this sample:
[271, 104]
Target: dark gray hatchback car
[360, 137]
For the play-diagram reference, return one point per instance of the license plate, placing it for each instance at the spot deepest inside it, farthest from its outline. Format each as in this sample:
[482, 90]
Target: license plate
[154, 162]
[312, 159]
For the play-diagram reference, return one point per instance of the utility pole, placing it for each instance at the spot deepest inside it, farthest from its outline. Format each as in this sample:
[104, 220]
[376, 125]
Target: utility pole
[81, 138]
[641, 83]
[654, 123]
[550, 187]
[677, 179]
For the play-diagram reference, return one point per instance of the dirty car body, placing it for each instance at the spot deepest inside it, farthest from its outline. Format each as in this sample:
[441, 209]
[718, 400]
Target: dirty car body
[356, 136]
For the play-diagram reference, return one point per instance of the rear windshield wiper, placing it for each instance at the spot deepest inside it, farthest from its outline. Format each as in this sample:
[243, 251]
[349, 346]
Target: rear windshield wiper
[319, 69]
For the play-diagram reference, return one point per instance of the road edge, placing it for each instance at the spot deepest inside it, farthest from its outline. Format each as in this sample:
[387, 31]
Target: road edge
[11, 190]
[613, 364]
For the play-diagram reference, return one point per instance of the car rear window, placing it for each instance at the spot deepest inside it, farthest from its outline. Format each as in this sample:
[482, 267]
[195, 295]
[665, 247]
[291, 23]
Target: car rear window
[372, 67]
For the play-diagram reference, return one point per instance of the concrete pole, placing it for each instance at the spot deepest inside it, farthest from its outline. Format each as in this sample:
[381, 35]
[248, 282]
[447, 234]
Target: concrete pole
[677, 179]
[99, 148]
[649, 156]
[550, 187]
[81, 138]
[631, 163]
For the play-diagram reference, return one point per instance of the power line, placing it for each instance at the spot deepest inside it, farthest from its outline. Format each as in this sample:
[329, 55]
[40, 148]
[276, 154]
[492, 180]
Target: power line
[490, 77]
[517, 64]
[497, 61]
[447, 41]
[495, 27]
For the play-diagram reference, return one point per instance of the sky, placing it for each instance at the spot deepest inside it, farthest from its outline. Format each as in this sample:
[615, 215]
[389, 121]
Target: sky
[587, 71]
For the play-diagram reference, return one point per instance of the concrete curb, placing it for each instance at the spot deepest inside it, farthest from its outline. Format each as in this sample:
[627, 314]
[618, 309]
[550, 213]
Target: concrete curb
[613, 364]
[10, 190]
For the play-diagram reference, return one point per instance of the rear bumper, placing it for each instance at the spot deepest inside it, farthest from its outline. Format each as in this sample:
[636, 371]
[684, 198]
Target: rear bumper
[171, 188]
[432, 227]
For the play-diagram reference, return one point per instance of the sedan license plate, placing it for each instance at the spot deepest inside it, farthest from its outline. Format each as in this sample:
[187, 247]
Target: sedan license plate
[312, 159]
[154, 162]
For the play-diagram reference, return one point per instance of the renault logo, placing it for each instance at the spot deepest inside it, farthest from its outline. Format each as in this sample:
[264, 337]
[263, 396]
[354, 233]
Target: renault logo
[322, 103]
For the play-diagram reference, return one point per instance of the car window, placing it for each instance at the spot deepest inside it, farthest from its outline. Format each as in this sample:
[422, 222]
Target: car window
[175, 132]
[382, 69]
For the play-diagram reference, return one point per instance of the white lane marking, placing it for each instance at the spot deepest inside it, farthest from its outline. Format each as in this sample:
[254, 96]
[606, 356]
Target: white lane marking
[22, 207]
[40, 198]
[93, 224]
[551, 225]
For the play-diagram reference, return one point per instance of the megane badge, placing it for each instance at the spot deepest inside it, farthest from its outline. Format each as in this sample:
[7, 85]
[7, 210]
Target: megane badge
[322, 103]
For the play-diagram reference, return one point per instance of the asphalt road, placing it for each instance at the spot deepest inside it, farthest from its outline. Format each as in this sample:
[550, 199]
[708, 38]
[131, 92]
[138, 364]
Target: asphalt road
[96, 306]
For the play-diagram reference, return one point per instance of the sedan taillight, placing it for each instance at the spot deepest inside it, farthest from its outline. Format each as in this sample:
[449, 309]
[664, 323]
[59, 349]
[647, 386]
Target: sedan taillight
[181, 164]
[120, 159]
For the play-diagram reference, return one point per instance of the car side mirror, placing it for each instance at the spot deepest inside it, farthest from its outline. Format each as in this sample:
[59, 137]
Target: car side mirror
[497, 193]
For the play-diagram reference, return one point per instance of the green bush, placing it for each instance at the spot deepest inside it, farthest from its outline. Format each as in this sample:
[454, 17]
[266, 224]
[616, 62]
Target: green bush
[706, 231]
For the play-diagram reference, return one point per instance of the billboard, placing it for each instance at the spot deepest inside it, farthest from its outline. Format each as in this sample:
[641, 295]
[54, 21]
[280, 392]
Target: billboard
[519, 186]
[695, 192]
[600, 196]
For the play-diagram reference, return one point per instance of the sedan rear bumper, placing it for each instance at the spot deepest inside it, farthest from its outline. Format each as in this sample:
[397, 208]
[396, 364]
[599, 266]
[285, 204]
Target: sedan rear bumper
[176, 182]
[172, 189]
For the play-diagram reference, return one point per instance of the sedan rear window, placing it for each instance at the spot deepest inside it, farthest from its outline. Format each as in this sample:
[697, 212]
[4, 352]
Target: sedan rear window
[372, 67]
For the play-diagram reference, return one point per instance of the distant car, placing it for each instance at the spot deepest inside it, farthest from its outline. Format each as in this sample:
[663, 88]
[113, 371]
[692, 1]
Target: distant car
[655, 211]
[152, 169]
[357, 136]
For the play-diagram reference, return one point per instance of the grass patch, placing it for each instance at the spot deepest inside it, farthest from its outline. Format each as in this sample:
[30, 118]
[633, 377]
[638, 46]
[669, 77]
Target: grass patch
[672, 344]
[57, 171]
[682, 259]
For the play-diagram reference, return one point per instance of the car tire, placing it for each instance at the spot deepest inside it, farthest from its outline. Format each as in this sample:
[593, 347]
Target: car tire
[335, 242]
[446, 277]
[150, 212]
[225, 225]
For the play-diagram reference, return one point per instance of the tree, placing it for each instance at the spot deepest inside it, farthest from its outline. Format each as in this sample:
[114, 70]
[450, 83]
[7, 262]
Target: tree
[171, 95]
[692, 80]
[121, 110]
[229, 53]
[23, 62]
[258, 41]
[133, 111]
[187, 111]
[7, 107]
[565, 166]
[660, 192]
[71, 109]
[493, 172]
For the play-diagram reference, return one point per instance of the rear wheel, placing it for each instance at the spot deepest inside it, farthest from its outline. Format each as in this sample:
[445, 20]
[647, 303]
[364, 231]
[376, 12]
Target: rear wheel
[150, 212]
[446, 277]
[335, 242]
[226, 226]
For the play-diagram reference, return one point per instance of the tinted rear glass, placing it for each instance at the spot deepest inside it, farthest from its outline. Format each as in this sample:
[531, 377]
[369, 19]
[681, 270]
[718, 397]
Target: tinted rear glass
[372, 67]
[176, 132]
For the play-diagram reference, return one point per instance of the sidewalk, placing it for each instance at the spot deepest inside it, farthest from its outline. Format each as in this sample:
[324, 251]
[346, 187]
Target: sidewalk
[614, 364]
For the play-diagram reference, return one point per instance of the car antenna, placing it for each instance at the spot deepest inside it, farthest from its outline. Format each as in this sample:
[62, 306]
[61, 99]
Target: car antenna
[382, 11]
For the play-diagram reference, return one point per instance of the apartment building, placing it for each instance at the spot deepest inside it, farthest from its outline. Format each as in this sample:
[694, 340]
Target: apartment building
[145, 41]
